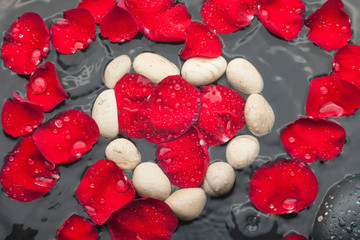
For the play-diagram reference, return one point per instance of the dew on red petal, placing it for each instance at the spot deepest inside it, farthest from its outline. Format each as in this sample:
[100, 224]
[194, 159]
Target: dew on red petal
[38, 86]
[63, 23]
[35, 57]
[121, 186]
[78, 148]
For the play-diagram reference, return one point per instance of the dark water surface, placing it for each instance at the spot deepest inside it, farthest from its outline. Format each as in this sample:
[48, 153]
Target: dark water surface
[287, 68]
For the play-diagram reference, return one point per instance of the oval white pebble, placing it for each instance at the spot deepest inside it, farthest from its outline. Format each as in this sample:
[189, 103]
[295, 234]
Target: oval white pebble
[116, 69]
[219, 179]
[150, 181]
[187, 203]
[200, 71]
[104, 113]
[243, 76]
[242, 150]
[124, 153]
[154, 66]
[259, 115]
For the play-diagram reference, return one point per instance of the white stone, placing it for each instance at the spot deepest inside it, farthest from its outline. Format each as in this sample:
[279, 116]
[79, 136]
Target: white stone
[242, 150]
[243, 76]
[104, 113]
[150, 181]
[124, 153]
[200, 71]
[219, 179]
[187, 203]
[259, 115]
[154, 66]
[116, 69]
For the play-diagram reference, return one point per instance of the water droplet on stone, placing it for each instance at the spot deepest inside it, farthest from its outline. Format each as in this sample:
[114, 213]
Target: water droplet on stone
[121, 186]
[289, 203]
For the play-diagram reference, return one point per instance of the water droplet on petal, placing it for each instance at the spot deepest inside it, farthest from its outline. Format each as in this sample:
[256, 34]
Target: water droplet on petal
[344, 29]
[177, 87]
[289, 203]
[332, 108]
[63, 23]
[291, 139]
[336, 67]
[78, 45]
[90, 210]
[78, 148]
[35, 57]
[44, 181]
[92, 185]
[265, 14]
[323, 90]
[102, 200]
[28, 129]
[307, 156]
[271, 206]
[121, 186]
[15, 30]
[59, 123]
[38, 86]
[66, 119]
[30, 161]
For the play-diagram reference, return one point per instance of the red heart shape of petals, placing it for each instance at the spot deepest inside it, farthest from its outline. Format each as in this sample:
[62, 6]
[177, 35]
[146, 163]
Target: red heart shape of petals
[26, 42]
[221, 114]
[74, 32]
[103, 190]
[295, 237]
[329, 96]
[329, 26]
[119, 25]
[44, 87]
[77, 227]
[97, 8]
[185, 159]
[130, 92]
[20, 117]
[283, 18]
[171, 109]
[145, 218]
[311, 140]
[201, 42]
[346, 64]
[26, 175]
[283, 186]
[161, 21]
[227, 16]
[67, 136]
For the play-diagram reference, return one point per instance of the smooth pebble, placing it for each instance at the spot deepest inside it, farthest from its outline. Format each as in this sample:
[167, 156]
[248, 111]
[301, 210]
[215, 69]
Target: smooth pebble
[124, 153]
[259, 115]
[150, 181]
[104, 113]
[243, 76]
[219, 179]
[187, 203]
[116, 69]
[154, 66]
[242, 150]
[200, 71]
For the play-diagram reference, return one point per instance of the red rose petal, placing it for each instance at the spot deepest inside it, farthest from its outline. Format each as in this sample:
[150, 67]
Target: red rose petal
[103, 190]
[201, 42]
[20, 117]
[185, 159]
[227, 16]
[283, 186]
[145, 218]
[130, 92]
[26, 175]
[44, 87]
[74, 32]
[283, 18]
[26, 42]
[329, 26]
[77, 227]
[346, 64]
[311, 140]
[295, 237]
[67, 136]
[330, 96]
[221, 114]
[118, 25]
[97, 8]
[171, 109]
[161, 21]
